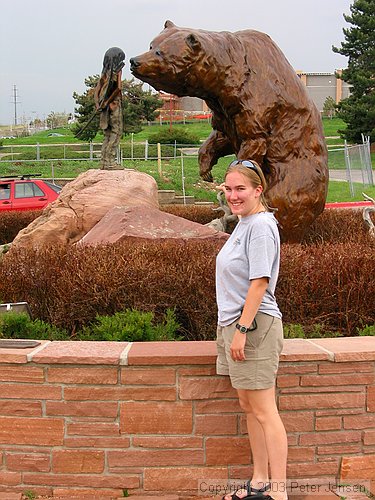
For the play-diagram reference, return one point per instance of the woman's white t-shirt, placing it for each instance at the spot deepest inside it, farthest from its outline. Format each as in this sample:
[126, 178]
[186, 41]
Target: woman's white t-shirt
[252, 251]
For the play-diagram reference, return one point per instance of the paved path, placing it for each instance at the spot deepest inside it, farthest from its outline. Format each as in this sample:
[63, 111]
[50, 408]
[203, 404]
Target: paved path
[340, 175]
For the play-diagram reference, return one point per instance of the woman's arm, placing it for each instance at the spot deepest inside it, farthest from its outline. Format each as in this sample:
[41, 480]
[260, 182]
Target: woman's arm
[256, 291]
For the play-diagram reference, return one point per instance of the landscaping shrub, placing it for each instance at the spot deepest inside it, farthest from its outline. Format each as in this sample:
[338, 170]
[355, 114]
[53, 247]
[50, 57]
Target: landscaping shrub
[326, 285]
[367, 330]
[332, 226]
[338, 226]
[12, 222]
[297, 331]
[131, 326]
[330, 284]
[69, 287]
[323, 287]
[20, 326]
[180, 136]
[196, 213]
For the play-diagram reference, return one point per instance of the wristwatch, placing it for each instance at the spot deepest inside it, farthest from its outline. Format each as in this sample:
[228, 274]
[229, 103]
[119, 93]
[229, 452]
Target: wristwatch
[242, 328]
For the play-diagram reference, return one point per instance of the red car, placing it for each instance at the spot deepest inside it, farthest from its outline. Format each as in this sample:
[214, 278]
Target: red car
[26, 193]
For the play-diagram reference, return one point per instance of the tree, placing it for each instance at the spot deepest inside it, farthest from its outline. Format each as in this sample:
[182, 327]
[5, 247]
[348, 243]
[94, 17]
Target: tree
[86, 110]
[329, 107]
[358, 110]
[137, 105]
[55, 120]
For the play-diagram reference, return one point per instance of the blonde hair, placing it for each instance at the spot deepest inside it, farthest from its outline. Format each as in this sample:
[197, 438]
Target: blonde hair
[254, 175]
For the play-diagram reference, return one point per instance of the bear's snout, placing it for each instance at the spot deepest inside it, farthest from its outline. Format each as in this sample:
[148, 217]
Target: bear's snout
[134, 63]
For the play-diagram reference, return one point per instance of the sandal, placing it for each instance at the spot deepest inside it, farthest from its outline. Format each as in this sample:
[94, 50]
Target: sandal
[258, 491]
[252, 493]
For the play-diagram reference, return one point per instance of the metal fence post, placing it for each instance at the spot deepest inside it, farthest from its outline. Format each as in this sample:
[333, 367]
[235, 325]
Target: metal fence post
[146, 150]
[91, 146]
[348, 173]
[367, 160]
[159, 159]
[183, 177]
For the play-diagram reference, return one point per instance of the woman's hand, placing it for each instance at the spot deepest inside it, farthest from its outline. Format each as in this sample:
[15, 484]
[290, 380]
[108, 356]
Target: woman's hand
[237, 347]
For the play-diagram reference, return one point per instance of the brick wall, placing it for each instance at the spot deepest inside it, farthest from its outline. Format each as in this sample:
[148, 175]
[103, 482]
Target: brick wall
[97, 418]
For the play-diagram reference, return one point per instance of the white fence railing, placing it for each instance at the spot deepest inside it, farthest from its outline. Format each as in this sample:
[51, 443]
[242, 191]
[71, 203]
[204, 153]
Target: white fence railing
[91, 152]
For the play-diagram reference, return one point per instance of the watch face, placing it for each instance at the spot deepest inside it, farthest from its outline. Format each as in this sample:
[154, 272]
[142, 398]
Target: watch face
[241, 328]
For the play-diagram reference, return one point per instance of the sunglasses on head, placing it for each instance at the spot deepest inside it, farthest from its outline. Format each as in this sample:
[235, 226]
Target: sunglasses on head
[245, 163]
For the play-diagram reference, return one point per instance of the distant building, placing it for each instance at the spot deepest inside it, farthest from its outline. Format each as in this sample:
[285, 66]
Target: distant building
[182, 108]
[319, 86]
[323, 85]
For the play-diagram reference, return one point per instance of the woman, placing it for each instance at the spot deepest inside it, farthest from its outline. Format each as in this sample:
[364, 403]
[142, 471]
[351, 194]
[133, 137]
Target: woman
[250, 333]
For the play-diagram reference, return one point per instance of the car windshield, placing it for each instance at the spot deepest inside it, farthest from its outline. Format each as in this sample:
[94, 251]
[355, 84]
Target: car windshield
[55, 187]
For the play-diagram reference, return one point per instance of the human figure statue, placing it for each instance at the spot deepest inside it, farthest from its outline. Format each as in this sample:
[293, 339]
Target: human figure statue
[108, 101]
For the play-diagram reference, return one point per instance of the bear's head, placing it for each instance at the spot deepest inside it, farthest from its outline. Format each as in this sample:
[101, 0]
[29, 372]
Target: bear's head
[175, 62]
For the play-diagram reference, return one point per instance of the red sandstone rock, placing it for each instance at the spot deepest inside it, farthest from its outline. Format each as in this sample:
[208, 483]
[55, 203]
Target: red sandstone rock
[83, 202]
[146, 222]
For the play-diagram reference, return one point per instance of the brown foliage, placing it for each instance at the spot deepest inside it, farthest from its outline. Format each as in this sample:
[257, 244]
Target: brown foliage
[69, 286]
[12, 222]
[331, 284]
[196, 213]
[338, 226]
[327, 280]
[334, 225]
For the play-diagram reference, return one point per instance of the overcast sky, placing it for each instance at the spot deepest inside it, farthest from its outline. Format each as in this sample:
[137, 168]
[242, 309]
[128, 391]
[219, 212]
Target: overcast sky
[49, 47]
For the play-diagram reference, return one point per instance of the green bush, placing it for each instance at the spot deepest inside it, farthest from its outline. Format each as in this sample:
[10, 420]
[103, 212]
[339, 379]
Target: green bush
[131, 326]
[20, 326]
[180, 136]
[367, 330]
[315, 331]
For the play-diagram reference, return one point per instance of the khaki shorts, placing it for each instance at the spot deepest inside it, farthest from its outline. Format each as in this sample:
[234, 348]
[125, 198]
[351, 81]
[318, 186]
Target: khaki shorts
[262, 351]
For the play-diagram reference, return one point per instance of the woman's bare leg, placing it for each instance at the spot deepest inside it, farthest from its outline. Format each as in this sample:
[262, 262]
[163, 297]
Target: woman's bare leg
[261, 405]
[268, 441]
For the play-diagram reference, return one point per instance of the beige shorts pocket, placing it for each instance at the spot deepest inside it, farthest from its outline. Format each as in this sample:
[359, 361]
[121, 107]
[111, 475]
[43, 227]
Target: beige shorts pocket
[257, 336]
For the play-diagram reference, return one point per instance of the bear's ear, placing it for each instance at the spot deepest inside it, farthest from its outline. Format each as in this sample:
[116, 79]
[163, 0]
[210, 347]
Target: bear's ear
[168, 24]
[193, 41]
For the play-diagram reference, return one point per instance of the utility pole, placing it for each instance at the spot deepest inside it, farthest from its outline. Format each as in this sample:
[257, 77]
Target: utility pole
[15, 102]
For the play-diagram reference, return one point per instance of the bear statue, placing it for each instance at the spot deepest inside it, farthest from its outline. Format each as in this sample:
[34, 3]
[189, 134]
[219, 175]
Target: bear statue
[260, 111]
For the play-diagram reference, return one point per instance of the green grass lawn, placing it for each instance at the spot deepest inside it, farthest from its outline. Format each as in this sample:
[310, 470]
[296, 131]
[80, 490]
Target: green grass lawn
[332, 125]
[171, 169]
[339, 191]
[202, 129]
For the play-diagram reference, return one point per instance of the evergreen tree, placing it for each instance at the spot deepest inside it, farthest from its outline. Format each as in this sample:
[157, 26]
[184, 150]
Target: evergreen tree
[358, 110]
[137, 106]
[86, 110]
[329, 107]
